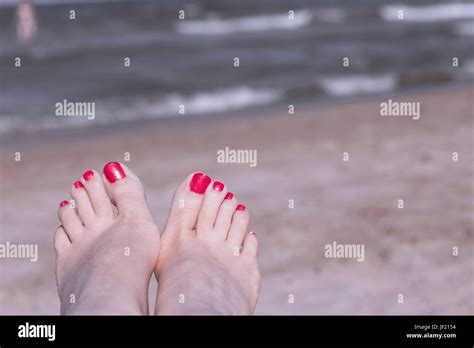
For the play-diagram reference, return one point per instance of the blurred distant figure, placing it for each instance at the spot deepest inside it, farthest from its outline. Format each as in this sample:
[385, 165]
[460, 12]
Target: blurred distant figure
[26, 25]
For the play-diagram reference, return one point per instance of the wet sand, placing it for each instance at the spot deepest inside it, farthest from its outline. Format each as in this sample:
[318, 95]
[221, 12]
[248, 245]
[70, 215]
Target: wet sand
[300, 158]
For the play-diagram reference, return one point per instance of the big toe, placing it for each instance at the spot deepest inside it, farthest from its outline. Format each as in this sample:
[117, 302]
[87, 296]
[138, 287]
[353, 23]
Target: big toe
[125, 190]
[187, 203]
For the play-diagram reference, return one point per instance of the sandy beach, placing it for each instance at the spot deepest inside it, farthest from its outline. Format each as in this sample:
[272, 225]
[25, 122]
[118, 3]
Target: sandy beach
[408, 251]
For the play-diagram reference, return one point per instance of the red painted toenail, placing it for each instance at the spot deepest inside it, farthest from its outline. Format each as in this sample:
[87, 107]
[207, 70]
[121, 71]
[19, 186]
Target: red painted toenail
[63, 203]
[252, 233]
[88, 175]
[113, 172]
[199, 183]
[240, 207]
[229, 195]
[78, 184]
[218, 186]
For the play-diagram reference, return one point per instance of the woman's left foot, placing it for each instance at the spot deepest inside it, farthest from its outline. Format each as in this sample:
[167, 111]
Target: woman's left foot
[105, 259]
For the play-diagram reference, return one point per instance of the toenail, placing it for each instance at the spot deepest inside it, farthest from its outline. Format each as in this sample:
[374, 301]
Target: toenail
[78, 184]
[229, 195]
[199, 183]
[218, 186]
[252, 233]
[113, 172]
[240, 207]
[88, 175]
[63, 203]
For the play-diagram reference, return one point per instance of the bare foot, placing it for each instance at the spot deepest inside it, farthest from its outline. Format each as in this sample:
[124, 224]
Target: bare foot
[203, 267]
[104, 259]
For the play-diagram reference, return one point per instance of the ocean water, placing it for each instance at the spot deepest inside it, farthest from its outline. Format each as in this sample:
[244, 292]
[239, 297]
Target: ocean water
[190, 62]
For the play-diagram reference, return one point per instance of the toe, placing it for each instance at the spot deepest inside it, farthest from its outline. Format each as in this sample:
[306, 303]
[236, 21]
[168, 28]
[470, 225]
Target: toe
[250, 248]
[186, 204]
[61, 240]
[224, 216]
[125, 190]
[70, 220]
[238, 228]
[97, 194]
[213, 198]
[83, 203]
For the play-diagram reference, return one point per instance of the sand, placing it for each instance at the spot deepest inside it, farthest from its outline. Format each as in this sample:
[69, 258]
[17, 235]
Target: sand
[408, 251]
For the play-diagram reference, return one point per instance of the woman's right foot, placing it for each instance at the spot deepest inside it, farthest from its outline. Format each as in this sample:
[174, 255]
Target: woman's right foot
[208, 261]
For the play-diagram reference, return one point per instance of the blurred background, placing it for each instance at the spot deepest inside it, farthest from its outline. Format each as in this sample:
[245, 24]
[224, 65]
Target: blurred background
[190, 61]
[425, 57]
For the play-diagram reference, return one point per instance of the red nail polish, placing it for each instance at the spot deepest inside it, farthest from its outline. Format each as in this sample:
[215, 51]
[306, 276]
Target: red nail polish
[88, 175]
[199, 183]
[113, 172]
[252, 233]
[229, 195]
[218, 186]
[78, 184]
[63, 203]
[240, 207]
